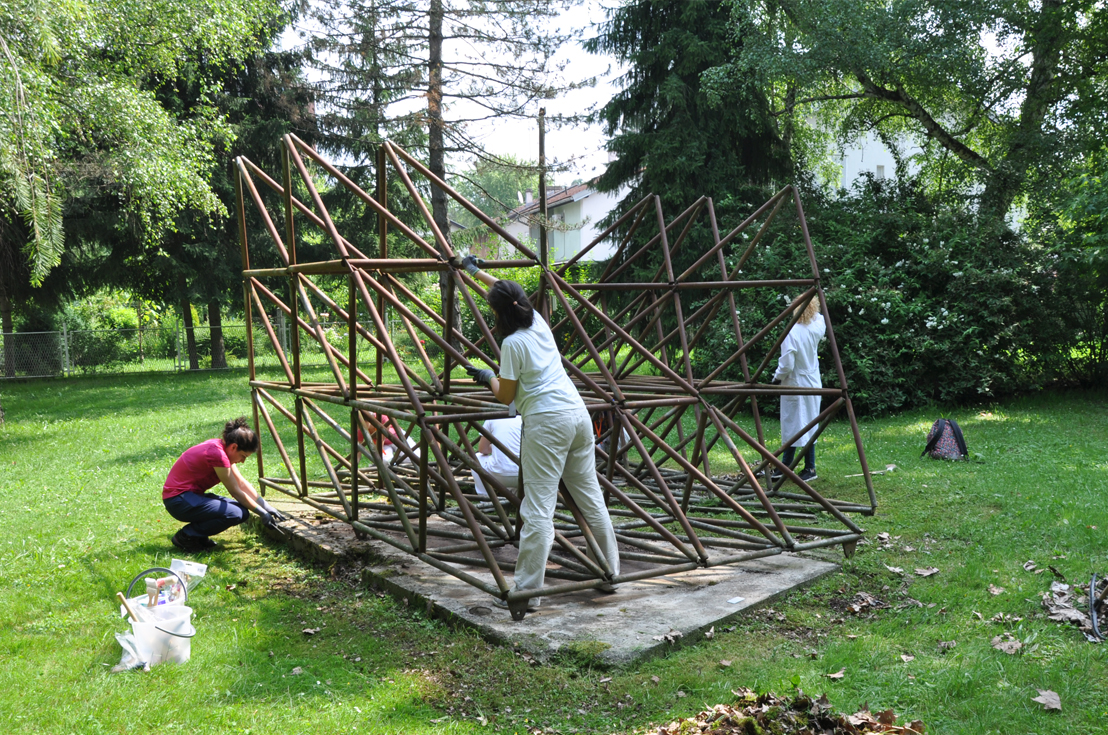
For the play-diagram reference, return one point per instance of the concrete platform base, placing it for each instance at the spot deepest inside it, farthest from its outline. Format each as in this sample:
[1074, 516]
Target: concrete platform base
[640, 619]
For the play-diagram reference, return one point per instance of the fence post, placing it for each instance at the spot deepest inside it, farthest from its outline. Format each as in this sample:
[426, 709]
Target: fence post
[177, 344]
[65, 350]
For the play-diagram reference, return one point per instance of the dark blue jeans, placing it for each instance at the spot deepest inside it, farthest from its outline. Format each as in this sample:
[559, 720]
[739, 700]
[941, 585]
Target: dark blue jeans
[206, 514]
[809, 457]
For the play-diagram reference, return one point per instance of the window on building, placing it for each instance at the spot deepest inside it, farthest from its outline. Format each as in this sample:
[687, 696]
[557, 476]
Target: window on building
[880, 172]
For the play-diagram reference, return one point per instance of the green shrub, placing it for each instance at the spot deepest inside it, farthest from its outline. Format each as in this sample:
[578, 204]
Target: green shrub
[927, 304]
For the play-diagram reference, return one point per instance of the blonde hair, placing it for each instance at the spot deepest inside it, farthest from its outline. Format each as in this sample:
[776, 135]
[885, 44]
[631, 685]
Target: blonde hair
[810, 311]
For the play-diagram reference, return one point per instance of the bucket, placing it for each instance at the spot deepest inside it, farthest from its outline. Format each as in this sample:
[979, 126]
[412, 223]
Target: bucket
[166, 636]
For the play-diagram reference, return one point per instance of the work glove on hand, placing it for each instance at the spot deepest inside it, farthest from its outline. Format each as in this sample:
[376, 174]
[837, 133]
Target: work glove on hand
[776, 381]
[472, 264]
[481, 376]
[267, 517]
[273, 512]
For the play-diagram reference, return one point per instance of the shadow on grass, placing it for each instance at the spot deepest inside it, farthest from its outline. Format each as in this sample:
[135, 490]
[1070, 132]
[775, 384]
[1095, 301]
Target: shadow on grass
[95, 398]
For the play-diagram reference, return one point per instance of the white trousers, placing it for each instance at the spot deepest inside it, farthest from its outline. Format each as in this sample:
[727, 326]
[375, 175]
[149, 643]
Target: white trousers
[558, 446]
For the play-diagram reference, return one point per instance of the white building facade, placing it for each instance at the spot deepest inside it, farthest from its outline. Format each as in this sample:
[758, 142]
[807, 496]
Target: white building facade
[575, 213]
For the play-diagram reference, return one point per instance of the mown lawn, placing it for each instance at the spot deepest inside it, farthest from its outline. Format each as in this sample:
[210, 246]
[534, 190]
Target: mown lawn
[81, 467]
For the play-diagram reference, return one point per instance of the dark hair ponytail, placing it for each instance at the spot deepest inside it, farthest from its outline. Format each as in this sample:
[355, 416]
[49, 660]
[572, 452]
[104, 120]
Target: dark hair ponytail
[239, 433]
[512, 307]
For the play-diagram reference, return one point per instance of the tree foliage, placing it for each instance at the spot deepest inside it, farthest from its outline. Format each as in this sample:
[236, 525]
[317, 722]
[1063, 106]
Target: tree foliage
[78, 113]
[494, 186]
[1000, 96]
[669, 135]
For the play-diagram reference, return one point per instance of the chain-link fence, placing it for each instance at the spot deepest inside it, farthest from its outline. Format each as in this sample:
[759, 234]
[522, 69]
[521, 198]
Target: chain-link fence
[166, 349]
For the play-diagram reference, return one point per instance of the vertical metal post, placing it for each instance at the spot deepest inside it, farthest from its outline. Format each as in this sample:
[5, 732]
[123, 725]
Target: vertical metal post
[240, 212]
[382, 247]
[65, 348]
[424, 479]
[352, 334]
[177, 344]
[544, 254]
[294, 307]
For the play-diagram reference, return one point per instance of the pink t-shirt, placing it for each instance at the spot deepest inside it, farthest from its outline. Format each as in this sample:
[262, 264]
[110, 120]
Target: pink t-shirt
[194, 472]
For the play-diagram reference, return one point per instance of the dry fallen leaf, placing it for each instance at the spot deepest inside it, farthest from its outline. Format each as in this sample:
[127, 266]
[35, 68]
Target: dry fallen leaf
[946, 645]
[681, 694]
[297, 671]
[906, 658]
[1006, 644]
[927, 571]
[310, 631]
[837, 675]
[724, 663]
[1029, 565]
[711, 633]
[1048, 699]
[655, 679]
[605, 679]
[894, 570]
[670, 637]
[994, 590]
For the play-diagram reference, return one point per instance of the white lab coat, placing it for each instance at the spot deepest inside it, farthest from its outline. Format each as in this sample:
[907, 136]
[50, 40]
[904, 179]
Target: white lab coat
[799, 366]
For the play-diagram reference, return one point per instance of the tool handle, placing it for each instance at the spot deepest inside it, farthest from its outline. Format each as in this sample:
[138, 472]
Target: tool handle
[127, 607]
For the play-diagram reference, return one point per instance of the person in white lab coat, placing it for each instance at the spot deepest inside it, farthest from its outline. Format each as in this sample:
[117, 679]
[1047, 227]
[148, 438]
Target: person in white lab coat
[799, 366]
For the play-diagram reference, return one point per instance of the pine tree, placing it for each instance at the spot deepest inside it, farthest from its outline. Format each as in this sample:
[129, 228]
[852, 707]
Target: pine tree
[671, 137]
[471, 60]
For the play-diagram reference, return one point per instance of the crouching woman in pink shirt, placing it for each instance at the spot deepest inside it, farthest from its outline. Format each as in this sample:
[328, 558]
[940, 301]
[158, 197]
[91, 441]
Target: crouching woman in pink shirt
[198, 470]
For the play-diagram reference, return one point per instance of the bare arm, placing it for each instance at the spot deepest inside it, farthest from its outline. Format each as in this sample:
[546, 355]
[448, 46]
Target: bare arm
[484, 446]
[240, 489]
[485, 278]
[504, 389]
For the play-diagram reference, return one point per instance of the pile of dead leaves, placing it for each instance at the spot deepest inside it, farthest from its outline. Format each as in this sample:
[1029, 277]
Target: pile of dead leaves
[1069, 604]
[800, 715]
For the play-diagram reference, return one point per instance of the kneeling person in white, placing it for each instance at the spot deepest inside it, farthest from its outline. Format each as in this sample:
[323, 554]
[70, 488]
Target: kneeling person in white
[506, 431]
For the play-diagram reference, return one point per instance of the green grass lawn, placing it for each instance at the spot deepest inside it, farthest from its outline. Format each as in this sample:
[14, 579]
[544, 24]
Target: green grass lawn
[81, 467]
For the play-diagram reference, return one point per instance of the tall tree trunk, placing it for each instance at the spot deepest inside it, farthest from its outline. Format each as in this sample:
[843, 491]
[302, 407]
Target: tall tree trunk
[186, 314]
[436, 144]
[6, 327]
[1007, 181]
[215, 326]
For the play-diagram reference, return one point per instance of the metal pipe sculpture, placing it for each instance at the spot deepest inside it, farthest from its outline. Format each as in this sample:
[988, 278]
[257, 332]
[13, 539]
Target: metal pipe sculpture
[628, 347]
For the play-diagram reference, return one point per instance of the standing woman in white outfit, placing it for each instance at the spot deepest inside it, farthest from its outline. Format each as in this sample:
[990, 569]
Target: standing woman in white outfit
[558, 442]
[799, 366]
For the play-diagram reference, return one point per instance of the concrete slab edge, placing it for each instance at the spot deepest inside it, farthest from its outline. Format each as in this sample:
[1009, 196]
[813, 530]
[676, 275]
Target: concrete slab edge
[382, 577]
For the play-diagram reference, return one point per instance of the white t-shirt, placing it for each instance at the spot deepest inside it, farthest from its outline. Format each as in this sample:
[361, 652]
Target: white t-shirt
[507, 433]
[531, 357]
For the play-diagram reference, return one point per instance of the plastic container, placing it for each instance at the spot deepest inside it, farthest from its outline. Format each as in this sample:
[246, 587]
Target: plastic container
[167, 636]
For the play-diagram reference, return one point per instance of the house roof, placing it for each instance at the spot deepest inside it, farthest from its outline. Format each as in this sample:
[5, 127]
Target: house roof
[556, 196]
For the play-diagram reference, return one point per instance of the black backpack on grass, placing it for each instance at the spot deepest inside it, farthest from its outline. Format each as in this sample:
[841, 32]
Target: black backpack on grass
[945, 441]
